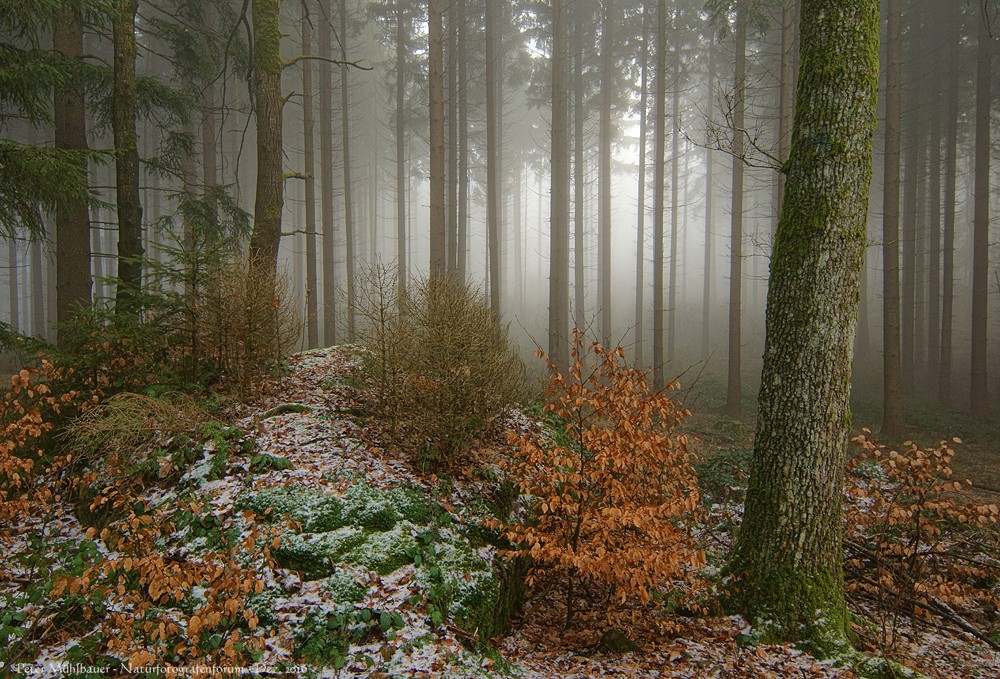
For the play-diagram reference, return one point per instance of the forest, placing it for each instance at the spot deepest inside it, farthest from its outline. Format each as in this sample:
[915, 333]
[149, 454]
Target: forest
[481, 338]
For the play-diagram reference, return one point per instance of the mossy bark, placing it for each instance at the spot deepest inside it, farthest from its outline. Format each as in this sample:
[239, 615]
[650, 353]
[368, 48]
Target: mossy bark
[786, 570]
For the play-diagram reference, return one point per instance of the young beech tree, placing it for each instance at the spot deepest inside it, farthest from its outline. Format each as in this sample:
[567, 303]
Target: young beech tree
[607, 494]
[787, 565]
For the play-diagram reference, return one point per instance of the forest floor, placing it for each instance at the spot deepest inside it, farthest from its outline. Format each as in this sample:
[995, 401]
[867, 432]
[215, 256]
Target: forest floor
[330, 448]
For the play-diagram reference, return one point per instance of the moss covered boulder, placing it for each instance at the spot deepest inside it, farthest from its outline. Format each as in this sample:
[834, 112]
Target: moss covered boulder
[385, 551]
[317, 554]
[314, 510]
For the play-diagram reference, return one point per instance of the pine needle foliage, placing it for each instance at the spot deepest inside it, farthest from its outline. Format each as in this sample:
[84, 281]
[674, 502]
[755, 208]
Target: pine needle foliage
[612, 494]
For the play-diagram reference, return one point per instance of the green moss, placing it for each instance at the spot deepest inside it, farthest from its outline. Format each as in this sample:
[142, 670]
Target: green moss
[317, 554]
[318, 512]
[478, 595]
[345, 588]
[386, 551]
[380, 510]
[793, 607]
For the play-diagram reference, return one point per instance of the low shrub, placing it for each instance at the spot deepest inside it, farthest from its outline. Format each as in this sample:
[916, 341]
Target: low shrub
[441, 364]
[914, 549]
[610, 496]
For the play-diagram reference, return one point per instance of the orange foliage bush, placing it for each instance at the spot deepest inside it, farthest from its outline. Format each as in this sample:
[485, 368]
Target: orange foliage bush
[147, 626]
[129, 602]
[911, 546]
[610, 495]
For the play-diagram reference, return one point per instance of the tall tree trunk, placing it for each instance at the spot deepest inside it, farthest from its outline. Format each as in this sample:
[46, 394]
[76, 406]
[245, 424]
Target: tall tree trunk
[14, 302]
[38, 321]
[463, 146]
[708, 272]
[312, 307]
[126, 155]
[267, 66]
[401, 146]
[579, 177]
[787, 563]
[559, 197]
[786, 94]
[911, 177]
[892, 388]
[436, 99]
[345, 129]
[675, 180]
[978, 393]
[948, 234]
[660, 136]
[517, 260]
[734, 372]
[659, 132]
[326, 178]
[604, 170]
[934, 235]
[640, 222]
[492, 159]
[453, 58]
[208, 140]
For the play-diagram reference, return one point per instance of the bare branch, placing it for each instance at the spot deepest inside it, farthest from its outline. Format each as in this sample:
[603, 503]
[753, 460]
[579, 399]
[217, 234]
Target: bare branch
[329, 60]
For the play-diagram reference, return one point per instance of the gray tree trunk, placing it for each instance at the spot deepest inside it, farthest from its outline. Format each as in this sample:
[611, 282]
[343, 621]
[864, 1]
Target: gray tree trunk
[787, 563]
[734, 377]
[892, 386]
[559, 197]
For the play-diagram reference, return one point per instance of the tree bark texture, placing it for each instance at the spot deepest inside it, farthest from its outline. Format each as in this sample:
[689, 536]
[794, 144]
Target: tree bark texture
[787, 561]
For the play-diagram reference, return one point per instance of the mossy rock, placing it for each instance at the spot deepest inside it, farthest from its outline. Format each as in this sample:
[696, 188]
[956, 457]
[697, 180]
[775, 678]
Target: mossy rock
[481, 596]
[317, 554]
[385, 551]
[316, 511]
[344, 587]
[380, 510]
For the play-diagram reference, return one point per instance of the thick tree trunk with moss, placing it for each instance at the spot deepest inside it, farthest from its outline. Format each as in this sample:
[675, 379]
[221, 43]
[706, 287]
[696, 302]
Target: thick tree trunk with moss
[267, 66]
[73, 265]
[786, 567]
